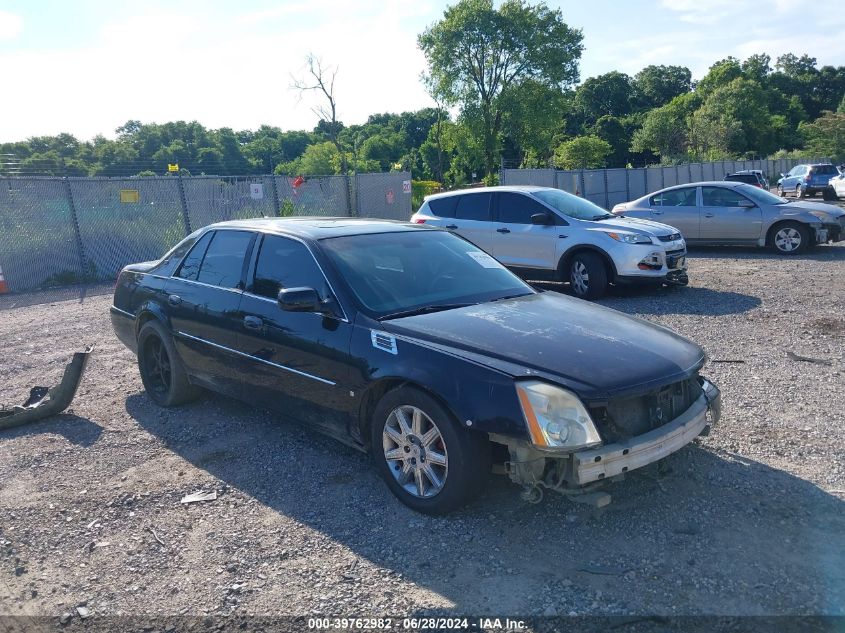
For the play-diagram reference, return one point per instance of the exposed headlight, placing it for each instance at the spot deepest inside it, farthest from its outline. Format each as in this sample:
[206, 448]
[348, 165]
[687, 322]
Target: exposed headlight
[630, 238]
[556, 418]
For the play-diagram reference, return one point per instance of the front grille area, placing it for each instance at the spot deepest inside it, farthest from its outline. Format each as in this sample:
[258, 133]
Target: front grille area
[624, 418]
[669, 238]
[676, 253]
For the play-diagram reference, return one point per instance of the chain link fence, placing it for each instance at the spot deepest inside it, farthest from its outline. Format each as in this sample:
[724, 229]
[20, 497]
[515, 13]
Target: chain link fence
[608, 187]
[62, 231]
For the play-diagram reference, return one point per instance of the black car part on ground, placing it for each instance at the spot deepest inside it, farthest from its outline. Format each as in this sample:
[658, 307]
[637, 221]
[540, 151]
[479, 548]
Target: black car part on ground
[46, 401]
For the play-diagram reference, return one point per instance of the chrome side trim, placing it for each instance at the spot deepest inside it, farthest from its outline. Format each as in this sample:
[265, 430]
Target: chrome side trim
[260, 360]
[123, 312]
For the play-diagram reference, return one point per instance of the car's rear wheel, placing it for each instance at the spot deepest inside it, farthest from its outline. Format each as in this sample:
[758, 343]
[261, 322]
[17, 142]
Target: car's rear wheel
[162, 373]
[587, 275]
[829, 193]
[428, 462]
[789, 238]
[799, 192]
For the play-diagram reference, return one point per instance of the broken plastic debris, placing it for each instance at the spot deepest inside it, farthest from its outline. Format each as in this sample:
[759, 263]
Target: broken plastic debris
[199, 496]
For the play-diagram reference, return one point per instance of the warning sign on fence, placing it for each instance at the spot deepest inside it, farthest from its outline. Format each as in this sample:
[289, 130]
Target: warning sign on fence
[389, 196]
[256, 191]
[406, 186]
[172, 167]
[130, 196]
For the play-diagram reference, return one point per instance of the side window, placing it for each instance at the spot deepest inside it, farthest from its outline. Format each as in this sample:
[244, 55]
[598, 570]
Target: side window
[675, 198]
[190, 268]
[285, 263]
[515, 208]
[473, 206]
[224, 259]
[720, 197]
[443, 207]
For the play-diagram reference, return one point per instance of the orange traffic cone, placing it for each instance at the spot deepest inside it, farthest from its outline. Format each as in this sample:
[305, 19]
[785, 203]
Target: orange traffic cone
[3, 287]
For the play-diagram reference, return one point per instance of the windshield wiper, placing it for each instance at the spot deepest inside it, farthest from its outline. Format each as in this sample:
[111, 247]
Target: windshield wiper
[523, 294]
[424, 310]
[604, 217]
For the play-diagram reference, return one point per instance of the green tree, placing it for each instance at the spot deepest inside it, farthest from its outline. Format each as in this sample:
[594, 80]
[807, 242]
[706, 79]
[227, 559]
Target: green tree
[826, 136]
[720, 74]
[582, 152]
[658, 85]
[476, 54]
[665, 130]
[317, 160]
[757, 67]
[610, 94]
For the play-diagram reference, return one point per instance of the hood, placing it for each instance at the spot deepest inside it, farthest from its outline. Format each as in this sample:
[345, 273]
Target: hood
[813, 207]
[634, 225]
[595, 351]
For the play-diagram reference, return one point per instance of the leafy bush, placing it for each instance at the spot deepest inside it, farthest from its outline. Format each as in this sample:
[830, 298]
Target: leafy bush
[422, 188]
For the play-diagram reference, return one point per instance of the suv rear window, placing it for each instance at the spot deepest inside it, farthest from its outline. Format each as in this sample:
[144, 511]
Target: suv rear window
[473, 206]
[443, 207]
[825, 170]
[749, 178]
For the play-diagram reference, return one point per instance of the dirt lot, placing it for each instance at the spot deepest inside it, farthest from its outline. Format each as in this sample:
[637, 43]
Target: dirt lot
[750, 520]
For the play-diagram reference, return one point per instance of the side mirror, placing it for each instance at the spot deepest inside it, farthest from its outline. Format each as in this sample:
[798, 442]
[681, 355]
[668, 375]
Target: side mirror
[747, 204]
[299, 300]
[782, 175]
[543, 219]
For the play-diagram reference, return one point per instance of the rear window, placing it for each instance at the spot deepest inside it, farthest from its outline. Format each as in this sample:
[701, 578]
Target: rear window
[224, 259]
[749, 178]
[825, 170]
[443, 207]
[473, 206]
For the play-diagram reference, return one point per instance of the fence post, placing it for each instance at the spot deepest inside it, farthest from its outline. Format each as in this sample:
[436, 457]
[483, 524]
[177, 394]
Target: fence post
[276, 196]
[80, 248]
[627, 185]
[689, 173]
[662, 177]
[184, 200]
[583, 184]
[606, 195]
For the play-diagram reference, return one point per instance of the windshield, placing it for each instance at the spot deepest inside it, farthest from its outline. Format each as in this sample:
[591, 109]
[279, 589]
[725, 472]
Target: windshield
[825, 170]
[419, 270]
[760, 196]
[570, 205]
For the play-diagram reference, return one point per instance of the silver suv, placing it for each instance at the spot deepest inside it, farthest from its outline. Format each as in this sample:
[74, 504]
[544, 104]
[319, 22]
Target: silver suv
[545, 233]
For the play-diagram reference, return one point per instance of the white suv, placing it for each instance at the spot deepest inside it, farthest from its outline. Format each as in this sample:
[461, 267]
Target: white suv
[545, 233]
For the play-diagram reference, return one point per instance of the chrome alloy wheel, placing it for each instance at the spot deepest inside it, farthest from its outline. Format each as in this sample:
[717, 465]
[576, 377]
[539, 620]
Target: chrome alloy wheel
[579, 277]
[415, 451]
[788, 239]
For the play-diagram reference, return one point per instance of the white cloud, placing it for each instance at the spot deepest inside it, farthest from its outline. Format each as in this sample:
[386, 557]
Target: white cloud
[11, 25]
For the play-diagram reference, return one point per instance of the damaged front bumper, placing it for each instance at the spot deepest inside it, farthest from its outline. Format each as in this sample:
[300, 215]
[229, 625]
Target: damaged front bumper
[43, 401]
[583, 471]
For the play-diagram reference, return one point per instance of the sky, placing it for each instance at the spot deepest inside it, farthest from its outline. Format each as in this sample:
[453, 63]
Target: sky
[87, 66]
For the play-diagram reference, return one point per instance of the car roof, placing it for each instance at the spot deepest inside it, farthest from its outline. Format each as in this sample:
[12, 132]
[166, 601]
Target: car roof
[317, 228]
[513, 188]
[746, 171]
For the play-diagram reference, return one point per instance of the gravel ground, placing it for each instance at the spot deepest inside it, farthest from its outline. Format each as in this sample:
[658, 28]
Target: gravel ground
[750, 520]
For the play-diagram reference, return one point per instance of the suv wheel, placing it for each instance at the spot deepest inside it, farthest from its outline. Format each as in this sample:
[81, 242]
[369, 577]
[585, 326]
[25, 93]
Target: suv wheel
[829, 193]
[164, 378]
[429, 463]
[799, 192]
[790, 238]
[587, 275]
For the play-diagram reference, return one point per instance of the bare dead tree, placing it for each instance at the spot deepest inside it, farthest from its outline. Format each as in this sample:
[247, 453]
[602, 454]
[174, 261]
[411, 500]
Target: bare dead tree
[320, 79]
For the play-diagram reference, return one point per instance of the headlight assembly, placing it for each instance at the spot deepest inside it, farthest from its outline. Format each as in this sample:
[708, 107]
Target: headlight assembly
[556, 418]
[630, 238]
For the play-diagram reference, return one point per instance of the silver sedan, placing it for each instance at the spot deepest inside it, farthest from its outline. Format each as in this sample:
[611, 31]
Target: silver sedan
[736, 213]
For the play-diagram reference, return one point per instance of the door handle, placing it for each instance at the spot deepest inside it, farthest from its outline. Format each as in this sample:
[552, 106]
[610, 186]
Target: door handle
[174, 300]
[503, 230]
[451, 227]
[253, 323]
[657, 212]
[708, 215]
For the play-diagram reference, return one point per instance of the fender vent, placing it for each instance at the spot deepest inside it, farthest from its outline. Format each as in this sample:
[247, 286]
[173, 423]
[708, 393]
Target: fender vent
[384, 341]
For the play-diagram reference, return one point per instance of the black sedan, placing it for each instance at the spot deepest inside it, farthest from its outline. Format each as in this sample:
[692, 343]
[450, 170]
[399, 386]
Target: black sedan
[413, 344]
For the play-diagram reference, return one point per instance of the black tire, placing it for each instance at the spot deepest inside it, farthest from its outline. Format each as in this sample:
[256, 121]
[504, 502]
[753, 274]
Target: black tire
[467, 453]
[799, 193]
[586, 275]
[789, 230]
[829, 194]
[162, 372]
[780, 192]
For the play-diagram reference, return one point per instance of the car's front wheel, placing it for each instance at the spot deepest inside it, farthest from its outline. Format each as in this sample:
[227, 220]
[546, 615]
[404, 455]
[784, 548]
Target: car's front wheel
[780, 192]
[428, 462]
[162, 373]
[789, 238]
[799, 192]
[587, 275]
